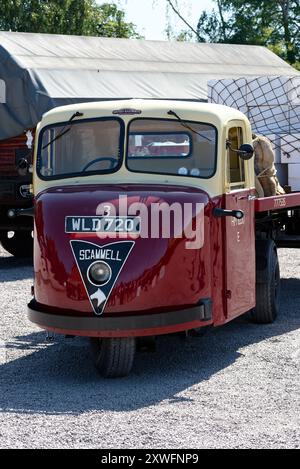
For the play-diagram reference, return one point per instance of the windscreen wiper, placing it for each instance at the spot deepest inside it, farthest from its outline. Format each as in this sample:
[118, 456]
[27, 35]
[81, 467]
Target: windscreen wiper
[64, 130]
[184, 124]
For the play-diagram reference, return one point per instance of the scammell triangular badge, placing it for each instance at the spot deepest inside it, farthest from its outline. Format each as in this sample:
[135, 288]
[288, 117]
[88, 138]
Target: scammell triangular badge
[100, 267]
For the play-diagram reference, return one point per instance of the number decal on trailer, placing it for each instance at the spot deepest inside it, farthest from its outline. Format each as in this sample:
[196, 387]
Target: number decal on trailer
[280, 203]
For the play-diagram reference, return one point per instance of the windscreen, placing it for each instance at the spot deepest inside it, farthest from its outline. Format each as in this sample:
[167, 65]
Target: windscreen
[80, 148]
[172, 147]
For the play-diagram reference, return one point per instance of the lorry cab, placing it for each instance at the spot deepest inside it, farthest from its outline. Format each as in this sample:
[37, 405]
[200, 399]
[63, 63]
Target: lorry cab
[144, 222]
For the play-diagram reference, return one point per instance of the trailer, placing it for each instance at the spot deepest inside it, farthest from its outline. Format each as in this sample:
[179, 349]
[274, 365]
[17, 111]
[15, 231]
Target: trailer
[134, 238]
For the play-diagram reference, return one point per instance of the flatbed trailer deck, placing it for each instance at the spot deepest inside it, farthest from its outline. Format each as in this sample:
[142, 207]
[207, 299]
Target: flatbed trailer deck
[284, 202]
[278, 218]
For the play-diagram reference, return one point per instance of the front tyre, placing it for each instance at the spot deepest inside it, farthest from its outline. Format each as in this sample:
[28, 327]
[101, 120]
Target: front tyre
[267, 283]
[114, 357]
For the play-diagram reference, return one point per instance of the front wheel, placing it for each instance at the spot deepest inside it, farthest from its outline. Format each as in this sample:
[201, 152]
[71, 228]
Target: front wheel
[267, 283]
[113, 357]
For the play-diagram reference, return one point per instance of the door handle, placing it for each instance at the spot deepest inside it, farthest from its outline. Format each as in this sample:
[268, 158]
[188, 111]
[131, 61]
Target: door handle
[247, 197]
[220, 212]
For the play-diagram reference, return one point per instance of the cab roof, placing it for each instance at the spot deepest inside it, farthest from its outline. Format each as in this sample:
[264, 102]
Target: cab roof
[133, 108]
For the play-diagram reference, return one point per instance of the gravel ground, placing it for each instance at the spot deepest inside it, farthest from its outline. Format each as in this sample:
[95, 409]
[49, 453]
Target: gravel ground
[236, 387]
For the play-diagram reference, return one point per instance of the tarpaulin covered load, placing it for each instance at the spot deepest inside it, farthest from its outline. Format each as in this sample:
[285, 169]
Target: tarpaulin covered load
[42, 71]
[272, 105]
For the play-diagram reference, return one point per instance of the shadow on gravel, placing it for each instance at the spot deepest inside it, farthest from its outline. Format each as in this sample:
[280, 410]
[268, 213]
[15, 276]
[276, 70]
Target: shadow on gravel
[12, 269]
[59, 378]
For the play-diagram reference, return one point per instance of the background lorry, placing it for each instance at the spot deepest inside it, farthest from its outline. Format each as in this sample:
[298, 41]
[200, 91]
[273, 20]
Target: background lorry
[39, 72]
[120, 286]
[15, 233]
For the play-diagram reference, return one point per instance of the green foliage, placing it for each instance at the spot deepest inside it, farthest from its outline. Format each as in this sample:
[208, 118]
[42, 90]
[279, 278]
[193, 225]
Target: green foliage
[112, 23]
[81, 17]
[271, 23]
[296, 65]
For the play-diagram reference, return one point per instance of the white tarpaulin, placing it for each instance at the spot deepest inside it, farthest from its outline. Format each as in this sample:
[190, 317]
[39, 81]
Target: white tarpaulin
[42, 71]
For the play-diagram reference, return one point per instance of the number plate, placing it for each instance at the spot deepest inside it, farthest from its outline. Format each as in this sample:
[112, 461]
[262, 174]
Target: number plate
[103, 224]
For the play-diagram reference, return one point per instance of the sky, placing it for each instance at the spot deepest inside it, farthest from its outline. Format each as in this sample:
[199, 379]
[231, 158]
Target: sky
[150, 15]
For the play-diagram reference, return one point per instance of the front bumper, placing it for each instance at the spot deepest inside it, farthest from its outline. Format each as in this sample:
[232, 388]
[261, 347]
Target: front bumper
[123, 326]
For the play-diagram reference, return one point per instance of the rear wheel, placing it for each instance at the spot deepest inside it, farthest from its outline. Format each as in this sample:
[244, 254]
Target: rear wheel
[267, 283]
[113, 357]
[17, 243]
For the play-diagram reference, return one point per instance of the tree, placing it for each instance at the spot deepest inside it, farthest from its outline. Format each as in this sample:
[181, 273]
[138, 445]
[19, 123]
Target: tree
[174, 7]
[112, 23]
[81, 17]
[271, 23]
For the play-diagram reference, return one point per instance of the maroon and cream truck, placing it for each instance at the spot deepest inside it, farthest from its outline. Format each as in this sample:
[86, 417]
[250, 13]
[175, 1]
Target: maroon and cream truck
[147, 222]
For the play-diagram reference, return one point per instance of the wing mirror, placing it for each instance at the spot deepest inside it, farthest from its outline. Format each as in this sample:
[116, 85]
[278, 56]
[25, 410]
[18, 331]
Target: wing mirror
[246, 152]
[24, 156]
[24, 167]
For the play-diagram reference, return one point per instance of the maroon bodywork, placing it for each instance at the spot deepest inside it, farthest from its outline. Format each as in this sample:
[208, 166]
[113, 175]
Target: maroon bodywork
[160, 275]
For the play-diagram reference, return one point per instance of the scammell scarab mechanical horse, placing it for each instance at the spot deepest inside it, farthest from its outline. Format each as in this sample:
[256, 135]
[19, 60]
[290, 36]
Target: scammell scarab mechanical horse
[105, 176]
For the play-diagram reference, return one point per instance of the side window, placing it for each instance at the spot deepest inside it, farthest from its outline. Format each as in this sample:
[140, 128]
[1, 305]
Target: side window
[235, 165]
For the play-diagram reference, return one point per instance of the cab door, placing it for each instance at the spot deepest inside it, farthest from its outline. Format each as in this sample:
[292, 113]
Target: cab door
[239, 234]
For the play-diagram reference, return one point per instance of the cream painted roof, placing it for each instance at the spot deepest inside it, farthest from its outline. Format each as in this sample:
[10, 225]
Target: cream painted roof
[149, 108]
[206, 112]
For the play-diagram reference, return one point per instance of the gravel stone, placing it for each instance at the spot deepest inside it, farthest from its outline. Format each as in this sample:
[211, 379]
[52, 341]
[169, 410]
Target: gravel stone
[238, 386]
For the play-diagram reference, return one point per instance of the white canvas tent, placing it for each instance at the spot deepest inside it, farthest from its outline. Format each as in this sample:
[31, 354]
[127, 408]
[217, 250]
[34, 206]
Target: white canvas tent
[40, 71]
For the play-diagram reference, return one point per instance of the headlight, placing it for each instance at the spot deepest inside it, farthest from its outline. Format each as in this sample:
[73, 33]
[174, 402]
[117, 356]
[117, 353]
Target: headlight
[99, 273]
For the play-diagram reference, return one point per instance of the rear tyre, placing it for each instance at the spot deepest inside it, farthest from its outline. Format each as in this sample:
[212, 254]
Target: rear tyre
[114, 357]
[267, 283]
[19, 245]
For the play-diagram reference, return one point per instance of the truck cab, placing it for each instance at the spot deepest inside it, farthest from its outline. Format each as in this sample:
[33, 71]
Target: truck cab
[145, 224]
